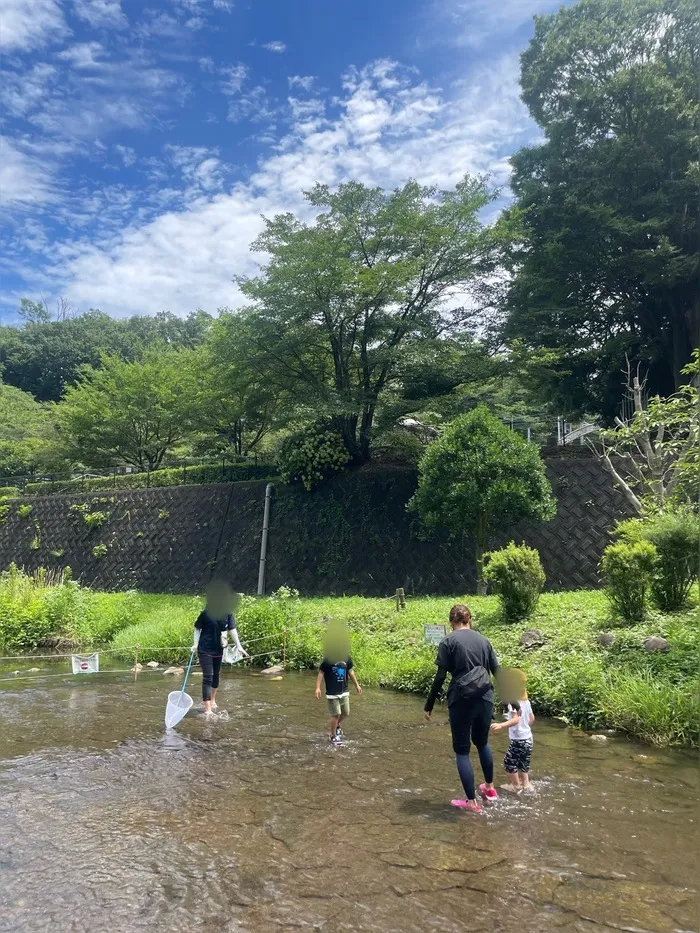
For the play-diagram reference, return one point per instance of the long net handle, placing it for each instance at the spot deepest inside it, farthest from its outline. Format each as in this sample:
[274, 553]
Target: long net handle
[187, 672]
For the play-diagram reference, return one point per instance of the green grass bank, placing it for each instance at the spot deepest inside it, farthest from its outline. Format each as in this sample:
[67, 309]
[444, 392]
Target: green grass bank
[651, 696]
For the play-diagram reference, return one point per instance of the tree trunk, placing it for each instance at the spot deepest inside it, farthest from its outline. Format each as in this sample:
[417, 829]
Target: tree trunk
[366, 433]
[347, 428]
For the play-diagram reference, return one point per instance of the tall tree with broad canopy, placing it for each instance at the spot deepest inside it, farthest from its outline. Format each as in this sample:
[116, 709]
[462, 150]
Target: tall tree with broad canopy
[131, 413]
[478, 476]
[236, 405]
[338, 300]
[608, 266]
[44, 356]
[27, 434]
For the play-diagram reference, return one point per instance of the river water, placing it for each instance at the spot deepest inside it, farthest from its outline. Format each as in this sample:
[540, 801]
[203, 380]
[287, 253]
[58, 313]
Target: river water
[257, 824]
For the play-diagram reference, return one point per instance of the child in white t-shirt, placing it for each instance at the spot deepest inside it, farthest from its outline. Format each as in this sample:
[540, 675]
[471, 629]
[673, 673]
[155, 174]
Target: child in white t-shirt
[519, 720]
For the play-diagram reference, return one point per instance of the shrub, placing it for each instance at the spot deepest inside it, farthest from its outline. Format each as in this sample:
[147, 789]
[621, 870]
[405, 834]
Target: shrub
[4, 512]
[34, 607]
[311, 455]
[9, 492]
[398, 447]
[24, 511]
[478, 476]
[676, 537]
[99, 551]
[515, 573]
[96, 519]
[627, 569]
[169, 476]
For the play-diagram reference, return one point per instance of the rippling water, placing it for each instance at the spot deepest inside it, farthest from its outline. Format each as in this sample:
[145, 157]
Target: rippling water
[256, 824]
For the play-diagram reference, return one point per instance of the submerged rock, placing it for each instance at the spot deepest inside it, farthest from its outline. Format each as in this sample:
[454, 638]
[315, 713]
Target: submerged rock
[656, 643]
[532, 638]
[275, 669]
[606, 639]
[599, 739]
[153, 665]
[174, 671]
[136, 668]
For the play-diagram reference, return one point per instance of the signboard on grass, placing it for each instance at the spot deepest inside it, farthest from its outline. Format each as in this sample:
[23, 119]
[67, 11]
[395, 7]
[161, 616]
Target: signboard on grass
[434, 634]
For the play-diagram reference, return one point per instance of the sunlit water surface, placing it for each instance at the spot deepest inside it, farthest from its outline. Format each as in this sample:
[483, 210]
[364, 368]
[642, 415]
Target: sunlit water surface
[257, 824]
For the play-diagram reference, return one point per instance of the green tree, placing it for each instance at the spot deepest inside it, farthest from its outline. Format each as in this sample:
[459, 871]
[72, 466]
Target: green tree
[44, 357]
[654, 459]
[130, 412]
[436, 381]
[236, 406]
[339, 301]
[478, 476]
[608, 264]
[27, 434]
[34, 312]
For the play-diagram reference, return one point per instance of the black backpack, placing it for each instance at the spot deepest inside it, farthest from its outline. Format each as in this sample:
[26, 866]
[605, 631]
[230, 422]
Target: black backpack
[475, 683]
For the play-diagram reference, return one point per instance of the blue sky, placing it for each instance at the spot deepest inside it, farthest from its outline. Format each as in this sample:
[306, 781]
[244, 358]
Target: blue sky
[142, 141]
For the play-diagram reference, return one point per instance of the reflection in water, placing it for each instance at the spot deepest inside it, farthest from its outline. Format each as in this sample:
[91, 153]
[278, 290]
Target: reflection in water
[257, 824]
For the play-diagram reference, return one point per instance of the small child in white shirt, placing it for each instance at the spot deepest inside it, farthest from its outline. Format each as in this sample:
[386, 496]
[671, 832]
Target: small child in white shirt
[519, 720]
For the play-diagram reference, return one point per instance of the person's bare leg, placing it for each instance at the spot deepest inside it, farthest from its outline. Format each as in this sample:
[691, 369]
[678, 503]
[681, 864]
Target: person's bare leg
[207, 706]
[525, 781]
[333, 727]
[213, 697]
[514, 783]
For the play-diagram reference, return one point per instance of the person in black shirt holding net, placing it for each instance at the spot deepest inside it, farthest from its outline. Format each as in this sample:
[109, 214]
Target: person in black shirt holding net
[211, 633]
[469, 657]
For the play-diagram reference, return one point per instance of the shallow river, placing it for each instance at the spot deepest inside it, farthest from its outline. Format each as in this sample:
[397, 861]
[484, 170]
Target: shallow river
[257, 824]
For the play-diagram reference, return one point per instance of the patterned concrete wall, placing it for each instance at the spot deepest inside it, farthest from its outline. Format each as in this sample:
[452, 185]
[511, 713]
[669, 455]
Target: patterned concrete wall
[352, 536]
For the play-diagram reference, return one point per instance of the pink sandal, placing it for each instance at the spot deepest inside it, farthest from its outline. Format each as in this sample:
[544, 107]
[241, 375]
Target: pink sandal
[470, 805]
[488, 794]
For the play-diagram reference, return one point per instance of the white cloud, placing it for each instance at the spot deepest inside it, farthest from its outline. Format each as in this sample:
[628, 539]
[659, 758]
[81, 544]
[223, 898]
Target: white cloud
[83, 55]
[200, 166]
[472, 22]
[245, 102]
[126, 154]
[305, 82]
[21, 94]
[224, 5]
[207, 64]
[391, 126]
[233, 76]
[94, 96]
[24, 180]
[101, 13]
[30, 24]
[251, 104]
[275, 46]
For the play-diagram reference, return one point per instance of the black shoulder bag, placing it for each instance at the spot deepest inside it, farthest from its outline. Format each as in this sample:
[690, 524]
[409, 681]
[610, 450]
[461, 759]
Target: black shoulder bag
[475, 683]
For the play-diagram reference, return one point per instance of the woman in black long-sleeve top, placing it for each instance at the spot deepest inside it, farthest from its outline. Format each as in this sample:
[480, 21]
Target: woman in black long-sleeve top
[469, 657]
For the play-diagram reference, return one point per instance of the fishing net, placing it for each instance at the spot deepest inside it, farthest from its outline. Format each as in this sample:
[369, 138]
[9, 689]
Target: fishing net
[179, 705]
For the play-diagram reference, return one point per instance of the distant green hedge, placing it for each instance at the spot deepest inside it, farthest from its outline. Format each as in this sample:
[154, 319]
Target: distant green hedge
[172, 476]
[9, 492]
